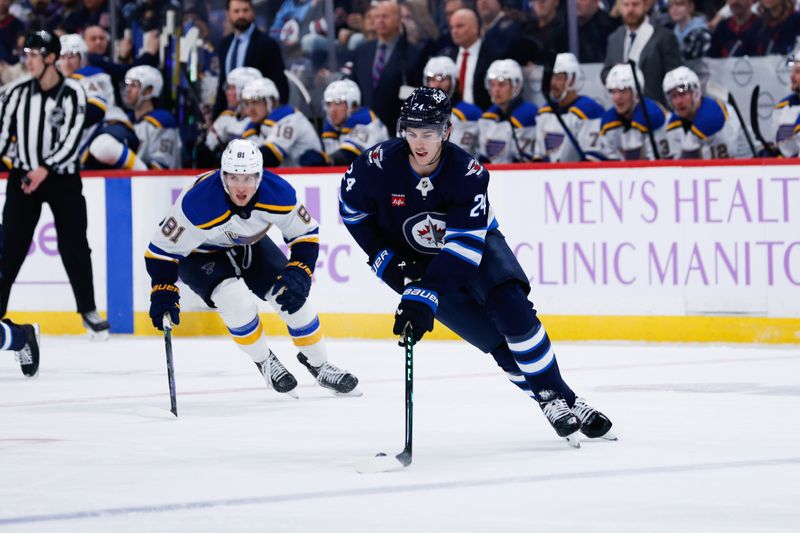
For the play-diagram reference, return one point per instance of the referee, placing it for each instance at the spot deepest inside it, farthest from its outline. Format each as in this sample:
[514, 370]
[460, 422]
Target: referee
[45, 113]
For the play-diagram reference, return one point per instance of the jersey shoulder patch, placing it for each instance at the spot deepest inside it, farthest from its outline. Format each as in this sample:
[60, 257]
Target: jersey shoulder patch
[329, 131]
[524, 115]
[586, 108]
[493, 113]
[466, 112]
[387, 153]
[655, 113]
[789, 101]
[362, 116]
[275, 194]
[161, 119]
[204, 204]
[710, 118]
[609, 121]
[85, 72]
[279, 114]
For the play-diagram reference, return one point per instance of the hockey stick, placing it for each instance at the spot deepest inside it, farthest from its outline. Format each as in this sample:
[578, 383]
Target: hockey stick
[387, 463]
[649, 124]
[567, 131]
[157, 412]
[773, 152]
[718, 91]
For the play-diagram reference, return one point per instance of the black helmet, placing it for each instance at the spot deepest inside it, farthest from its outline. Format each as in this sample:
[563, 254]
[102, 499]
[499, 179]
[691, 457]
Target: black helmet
[427, 107]
[43, 42]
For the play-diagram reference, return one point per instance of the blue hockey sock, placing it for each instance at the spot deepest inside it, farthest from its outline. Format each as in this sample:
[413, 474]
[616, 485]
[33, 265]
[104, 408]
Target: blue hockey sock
[12, 336]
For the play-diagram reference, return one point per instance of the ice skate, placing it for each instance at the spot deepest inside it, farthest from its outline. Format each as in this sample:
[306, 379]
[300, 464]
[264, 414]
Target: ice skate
[277, 377]
[594, 424]
[97, 328]
[331, 377]
[28, 356]
[563, 420]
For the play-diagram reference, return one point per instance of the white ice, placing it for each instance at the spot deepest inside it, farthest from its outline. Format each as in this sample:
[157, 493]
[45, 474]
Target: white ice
[709, 442]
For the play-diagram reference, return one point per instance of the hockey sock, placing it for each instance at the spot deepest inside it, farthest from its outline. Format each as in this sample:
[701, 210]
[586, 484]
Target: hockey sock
[505, 360]
[239, 312]
[514, 317]
[305, 330]
[12, 336]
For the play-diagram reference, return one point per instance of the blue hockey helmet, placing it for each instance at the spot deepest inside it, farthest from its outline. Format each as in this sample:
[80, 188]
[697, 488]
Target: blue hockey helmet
[427, 107]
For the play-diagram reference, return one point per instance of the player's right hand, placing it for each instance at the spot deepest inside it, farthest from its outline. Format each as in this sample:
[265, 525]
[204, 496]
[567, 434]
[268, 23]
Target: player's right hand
[164, 299]
[418, 308]
[395, 270]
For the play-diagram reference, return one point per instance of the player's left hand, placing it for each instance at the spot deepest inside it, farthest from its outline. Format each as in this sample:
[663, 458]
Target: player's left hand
[292, 287]
[35, 178]
[417, 307]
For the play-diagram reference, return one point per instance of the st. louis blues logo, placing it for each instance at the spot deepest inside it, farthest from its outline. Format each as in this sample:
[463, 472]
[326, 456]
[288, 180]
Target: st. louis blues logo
[474, 168]
[376, 156]
[495, 147]
[425, 232]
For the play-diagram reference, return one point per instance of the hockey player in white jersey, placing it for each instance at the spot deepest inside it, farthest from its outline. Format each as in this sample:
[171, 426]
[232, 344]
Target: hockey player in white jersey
[624, 126]
[157, 129]
[441, 73]
[580, 114]
[786, 115]
[214, 237]
[284, 134]
[700, 127]
[231, 123]
[349, 129]
[508, 127]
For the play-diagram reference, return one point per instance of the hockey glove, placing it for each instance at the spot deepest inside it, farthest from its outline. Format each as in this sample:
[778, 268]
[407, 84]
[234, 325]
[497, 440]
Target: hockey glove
[292, 287]
[417, 307]
[164, 298]
[394, 269]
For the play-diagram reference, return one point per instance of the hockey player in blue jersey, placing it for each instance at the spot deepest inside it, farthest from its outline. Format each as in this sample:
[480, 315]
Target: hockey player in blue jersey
[444, 238]
[215, 238]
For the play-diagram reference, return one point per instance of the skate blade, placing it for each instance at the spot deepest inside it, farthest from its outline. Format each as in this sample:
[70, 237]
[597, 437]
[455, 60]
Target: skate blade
[98, 336]
[380, 463]
[355, 393]
[607, 436]
[573, 440]
[149, 411]
[292, 394]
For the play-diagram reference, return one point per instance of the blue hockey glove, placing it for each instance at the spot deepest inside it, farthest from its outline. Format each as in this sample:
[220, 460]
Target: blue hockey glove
[393, 269]
[164, 298]
[417, 307]
[292, 287]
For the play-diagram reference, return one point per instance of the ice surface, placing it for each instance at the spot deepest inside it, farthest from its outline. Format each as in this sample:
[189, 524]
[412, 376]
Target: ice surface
[709, 441]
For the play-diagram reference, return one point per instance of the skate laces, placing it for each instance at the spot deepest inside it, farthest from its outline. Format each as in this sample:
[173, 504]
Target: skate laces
[276, 369]
[556, 409]
[92, 317]
[23, 356]
[329, 373]
[582, 409]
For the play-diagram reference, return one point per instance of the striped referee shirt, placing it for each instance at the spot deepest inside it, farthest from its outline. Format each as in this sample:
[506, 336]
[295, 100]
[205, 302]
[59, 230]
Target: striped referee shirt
[47, 125]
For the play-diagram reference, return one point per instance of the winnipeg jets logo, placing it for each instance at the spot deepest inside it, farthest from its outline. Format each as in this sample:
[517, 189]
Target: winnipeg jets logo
[474, 168]
[424, 232]
[431, 233]
[376, 156]
[425, 186]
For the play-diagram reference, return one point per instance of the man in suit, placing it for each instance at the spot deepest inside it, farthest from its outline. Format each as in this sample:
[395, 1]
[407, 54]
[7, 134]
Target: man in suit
[248, 47]
[472, 59]
[499, 32]
[383, 65]
[654, 48]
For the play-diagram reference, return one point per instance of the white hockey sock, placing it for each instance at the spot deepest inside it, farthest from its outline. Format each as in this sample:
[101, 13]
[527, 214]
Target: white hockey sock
[305, 330]
[235, 304]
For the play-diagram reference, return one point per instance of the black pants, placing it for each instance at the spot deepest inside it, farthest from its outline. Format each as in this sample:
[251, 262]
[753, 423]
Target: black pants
[63, 192]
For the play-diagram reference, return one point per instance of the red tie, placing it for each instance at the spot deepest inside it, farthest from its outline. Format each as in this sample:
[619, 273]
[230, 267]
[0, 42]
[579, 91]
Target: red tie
[462, 74]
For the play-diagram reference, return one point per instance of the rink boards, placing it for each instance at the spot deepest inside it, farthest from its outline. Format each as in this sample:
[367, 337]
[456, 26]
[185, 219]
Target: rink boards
[652, 251]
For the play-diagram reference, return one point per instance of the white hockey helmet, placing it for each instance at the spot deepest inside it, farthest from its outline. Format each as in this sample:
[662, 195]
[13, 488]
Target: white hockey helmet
[148, 77]
[261, 89]
[241, 156]
[342, 91]
[620, 77]
[505, 69]
[72, 43]
[441, 66]
[567, 63]
[684, 79]
[239, 77]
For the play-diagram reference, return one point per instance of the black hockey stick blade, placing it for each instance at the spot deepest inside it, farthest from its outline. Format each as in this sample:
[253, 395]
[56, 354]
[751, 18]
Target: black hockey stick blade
[173, 399]
[149, 411]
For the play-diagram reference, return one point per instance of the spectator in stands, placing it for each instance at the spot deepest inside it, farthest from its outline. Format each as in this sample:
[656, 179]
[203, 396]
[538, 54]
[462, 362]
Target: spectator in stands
[472, 58]
[498, 32]
[653, 48]
[441, 73]
[580, 116]
[96, 13]
[97, 39]
[70, 18]
[284, 135]
[507, 130]
[736, 35]
[624, 128]
[157, 129]
[780, 29]
[787, 112]
[444, 44]
[247, 46]
[547, 34]
[419, 26]
[384, 65]
[10, 31]
[691, 30]
[594, 27]
[349, 129]
[701, 127]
